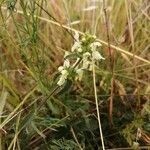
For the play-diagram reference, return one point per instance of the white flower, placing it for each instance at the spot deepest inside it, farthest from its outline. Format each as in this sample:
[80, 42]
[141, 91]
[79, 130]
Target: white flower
[66, 54]
[63, 77]
[80, 74]
[86, 64]
[94, 45]
[79, 71]
[61, 81]
[75, 46]
[85, 55]
[80, 49]
[83, 39]
[64, 73]
[60, 68]
[98, 44]
[97, 56]
[66, 63]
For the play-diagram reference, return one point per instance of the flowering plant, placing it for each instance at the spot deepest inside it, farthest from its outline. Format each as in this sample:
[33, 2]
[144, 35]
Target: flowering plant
[84, 53]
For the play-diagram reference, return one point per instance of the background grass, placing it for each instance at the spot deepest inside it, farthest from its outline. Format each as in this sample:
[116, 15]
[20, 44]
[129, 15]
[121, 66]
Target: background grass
[32, 48]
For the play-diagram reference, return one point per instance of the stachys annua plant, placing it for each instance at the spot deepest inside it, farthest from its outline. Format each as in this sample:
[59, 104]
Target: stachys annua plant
[84, 52]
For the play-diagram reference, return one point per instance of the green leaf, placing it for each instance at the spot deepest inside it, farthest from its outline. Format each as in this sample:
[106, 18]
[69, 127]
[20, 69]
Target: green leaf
[27, 120]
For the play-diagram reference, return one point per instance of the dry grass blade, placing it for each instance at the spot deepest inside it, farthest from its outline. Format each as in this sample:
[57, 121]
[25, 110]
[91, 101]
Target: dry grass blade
[3, 98]
[74, 30]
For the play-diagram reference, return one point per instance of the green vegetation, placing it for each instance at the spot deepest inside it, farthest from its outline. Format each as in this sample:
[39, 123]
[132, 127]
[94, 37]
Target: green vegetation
[107, 108]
